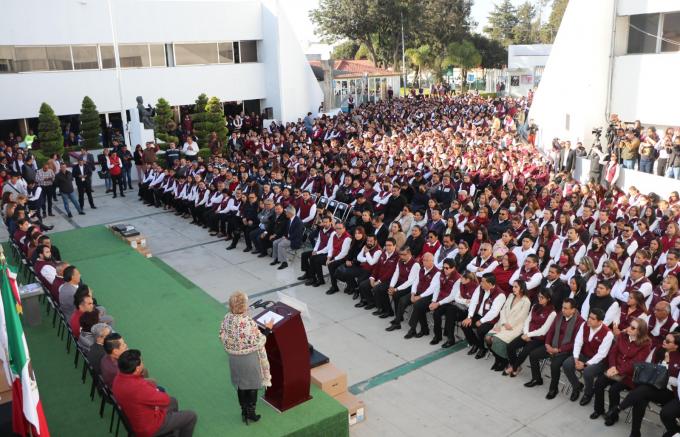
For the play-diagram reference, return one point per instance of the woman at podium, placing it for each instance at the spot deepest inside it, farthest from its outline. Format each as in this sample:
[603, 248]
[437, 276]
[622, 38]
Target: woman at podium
[248, 362]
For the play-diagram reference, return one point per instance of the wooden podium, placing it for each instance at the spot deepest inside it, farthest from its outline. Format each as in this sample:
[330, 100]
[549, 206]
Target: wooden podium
[288, 353]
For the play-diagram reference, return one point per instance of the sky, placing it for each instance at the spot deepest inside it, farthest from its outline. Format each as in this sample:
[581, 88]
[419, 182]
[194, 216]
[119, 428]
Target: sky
[298, 15]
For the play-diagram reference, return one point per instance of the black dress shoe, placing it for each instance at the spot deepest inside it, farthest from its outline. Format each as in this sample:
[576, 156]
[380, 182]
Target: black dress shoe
[448, 344]
[473, 350]
[232, 247]
[360, 304]
[332, 290]
[611, 417]
[348, 290]
[410, 334]
[423, 333]
[93, 207]
[377, 312]
[552, 393]
[283, 265]
[386, 315]
[81, 212]
[273, 263]
[247, 249]
[585, 400]
[48, 227]
[595, 415]
[533, 383]
[480, 354]
[262, 255]
[355, 296]
[497, 366]
[70, 215]
[435, 340]
[303, 277]
[576, 393]
[393, 327]
[318, 283]
[369, 307]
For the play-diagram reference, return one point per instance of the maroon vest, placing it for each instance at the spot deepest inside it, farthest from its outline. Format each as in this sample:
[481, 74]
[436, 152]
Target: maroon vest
[384, 268]
[324, 236]
[526, 276]
[37, 267]
[590, 347]
[424, 279]
[54, 288]
[483, 309]
[467, 290]
[625, 319]
[305, 208]
[337, 243]
[630, 287]
[657, 340]
[405, 270]
[366, 266]
[539, 314]
[446, 284]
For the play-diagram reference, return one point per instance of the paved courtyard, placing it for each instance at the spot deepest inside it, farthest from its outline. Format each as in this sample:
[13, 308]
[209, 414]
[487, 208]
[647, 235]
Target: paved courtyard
[409, 387]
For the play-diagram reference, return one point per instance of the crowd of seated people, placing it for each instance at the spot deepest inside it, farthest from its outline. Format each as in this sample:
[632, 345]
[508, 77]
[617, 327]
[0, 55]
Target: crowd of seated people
[149, 412]
[449, 212]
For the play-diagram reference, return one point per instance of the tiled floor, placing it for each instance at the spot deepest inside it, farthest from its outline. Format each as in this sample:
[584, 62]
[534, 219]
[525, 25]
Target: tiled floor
[454, 395]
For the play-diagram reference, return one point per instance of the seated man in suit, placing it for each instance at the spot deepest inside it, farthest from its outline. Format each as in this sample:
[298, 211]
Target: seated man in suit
[285, 248]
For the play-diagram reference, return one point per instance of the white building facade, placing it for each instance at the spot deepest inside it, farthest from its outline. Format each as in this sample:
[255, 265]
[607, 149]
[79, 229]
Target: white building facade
[526, 63]
[114, 50]
[610, 57]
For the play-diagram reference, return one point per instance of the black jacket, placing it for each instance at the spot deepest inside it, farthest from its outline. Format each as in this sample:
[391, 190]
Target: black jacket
[75, 171]
[64, 181]
[279, 226]
[559, 290]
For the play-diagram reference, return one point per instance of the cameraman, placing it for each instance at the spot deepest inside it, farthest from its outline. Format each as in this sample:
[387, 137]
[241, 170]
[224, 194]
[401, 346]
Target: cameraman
[663, 149]
[630, 146]
[673, 170]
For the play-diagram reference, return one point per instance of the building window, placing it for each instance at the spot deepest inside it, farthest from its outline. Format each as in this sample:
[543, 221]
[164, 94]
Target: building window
[107, 56]
[196, 54]
[671, 32]
[642, 33]
[59, 58]
[85, 57]
[226, 52]
[31, 59]
[248, 51]
[157, 52]
[134, 55]
[7, 59]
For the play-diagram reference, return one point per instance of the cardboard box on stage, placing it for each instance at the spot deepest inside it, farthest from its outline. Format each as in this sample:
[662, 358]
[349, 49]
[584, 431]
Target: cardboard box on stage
[356, 409]
[137, 242]
[330, 379]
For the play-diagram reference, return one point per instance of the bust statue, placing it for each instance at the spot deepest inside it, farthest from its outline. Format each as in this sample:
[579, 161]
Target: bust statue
[144, 114]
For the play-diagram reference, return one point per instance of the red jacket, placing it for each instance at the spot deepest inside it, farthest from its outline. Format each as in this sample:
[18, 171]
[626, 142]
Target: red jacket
[75, 323]
[143, 404]
[624, 354]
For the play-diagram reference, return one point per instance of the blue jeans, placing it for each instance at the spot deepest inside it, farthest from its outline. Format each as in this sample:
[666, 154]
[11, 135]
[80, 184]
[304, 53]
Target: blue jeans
[65, 197]
[127, 177]
[629, 163]
[107, 182]
[646, 165]
[673, 172]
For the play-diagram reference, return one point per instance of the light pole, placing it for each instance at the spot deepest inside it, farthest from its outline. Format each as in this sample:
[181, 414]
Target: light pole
[403, 52]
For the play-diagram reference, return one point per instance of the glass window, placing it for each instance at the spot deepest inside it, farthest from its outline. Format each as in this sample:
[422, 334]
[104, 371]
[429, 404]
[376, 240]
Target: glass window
[108, 56]
[134, 55]
[642, 33]
[157, 55]
[237, 52]
[59, 58]
[193, 54]
[85, 57]
[7, 59]
[226, 50]
[248, 51]
[31, 59]
[671, 32]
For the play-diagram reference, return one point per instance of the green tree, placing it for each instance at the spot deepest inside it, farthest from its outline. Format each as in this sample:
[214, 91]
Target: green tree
[524, 31]
[493, 54]
[199, 120]
[345, 50]
[214, 120]
[165, 122]
[49, 131]
[463, 55]
[362, 53]
[421, 58]
[501, 22]
[90, 124]
[549, 30]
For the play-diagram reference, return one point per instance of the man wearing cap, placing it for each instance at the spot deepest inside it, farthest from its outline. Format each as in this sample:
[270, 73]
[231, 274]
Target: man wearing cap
[82, 174]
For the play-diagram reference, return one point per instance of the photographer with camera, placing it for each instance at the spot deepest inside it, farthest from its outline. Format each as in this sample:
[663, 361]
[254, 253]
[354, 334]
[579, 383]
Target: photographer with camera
[648, 152]
[673, 170]
[630, 147]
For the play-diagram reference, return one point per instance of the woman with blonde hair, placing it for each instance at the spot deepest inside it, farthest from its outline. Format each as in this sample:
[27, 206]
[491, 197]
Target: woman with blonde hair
[248, 363]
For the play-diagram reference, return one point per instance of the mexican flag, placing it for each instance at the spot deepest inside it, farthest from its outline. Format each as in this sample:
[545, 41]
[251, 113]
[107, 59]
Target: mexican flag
[27, 412]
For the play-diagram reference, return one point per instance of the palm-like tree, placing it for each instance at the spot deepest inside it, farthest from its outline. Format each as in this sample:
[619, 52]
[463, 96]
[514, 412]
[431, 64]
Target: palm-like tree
[422, 58]
[464, 55]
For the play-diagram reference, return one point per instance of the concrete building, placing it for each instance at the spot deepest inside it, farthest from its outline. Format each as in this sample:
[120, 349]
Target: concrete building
[243, 52]
[610, 57]
[526, 63]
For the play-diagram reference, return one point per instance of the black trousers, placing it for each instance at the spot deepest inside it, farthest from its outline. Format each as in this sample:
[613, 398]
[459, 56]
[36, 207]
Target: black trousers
[516, 359]
[556, 361]
[402, 300]
[419, 314]
[639, 398]
[47, 196]
[83, 189]
[316, 264]
[475, 335]
[370, 295]
[333, 267]
[352, 276]
[245, 230]
[601, 383]
[669, 414]
[117, 180]
[447, 310]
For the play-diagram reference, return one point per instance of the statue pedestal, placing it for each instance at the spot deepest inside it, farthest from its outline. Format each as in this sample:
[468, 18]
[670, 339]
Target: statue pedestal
[139, 135]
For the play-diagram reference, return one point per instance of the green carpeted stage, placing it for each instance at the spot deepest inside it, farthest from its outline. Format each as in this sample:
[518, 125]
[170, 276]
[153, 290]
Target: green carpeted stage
[175, 324]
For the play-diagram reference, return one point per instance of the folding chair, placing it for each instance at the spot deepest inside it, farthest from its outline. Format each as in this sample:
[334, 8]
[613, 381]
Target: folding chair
[332, 206]
[322, 203]
[341, 211]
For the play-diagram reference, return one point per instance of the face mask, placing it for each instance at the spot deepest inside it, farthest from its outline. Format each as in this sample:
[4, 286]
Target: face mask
[513, 208]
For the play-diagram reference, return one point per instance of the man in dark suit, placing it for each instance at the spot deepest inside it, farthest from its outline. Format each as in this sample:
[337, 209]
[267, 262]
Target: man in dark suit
[285, 247]
[276, 229]
[558, 288]
[380, 230]
[88, 158]
[82, 173]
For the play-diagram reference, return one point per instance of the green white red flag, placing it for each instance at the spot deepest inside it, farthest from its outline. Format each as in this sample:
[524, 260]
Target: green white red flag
[27, 412]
